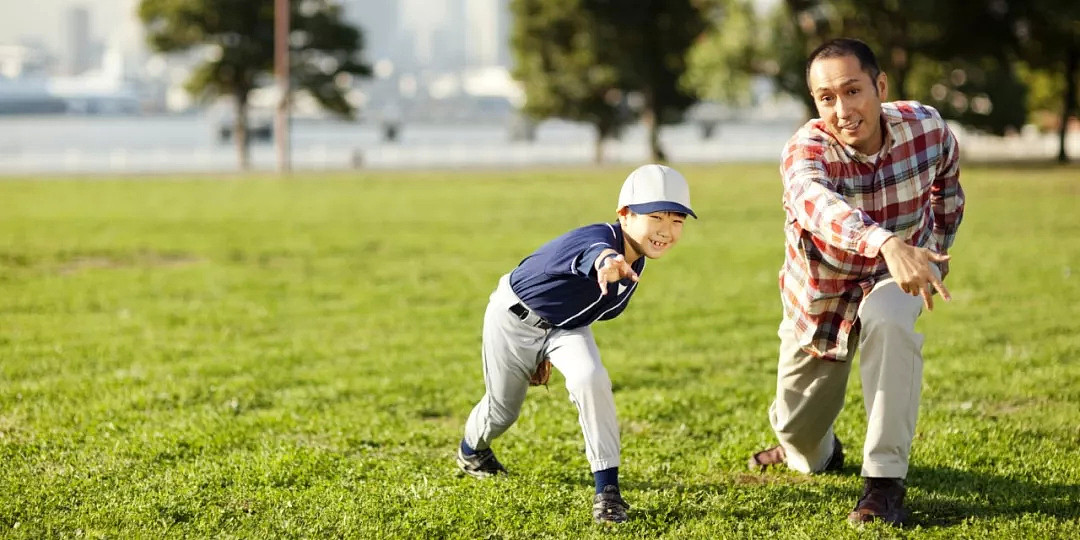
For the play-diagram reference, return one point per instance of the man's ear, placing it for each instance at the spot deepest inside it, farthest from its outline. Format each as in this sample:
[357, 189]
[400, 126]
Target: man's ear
[883, 86]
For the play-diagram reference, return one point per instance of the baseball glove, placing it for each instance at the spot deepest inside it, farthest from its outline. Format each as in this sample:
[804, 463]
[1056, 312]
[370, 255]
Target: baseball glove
[542, 373]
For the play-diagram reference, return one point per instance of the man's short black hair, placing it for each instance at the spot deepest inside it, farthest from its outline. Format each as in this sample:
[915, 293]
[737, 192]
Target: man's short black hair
[846, 47]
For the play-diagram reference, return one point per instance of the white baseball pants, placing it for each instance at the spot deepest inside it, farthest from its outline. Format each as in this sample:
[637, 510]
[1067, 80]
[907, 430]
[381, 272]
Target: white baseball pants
[511, 351]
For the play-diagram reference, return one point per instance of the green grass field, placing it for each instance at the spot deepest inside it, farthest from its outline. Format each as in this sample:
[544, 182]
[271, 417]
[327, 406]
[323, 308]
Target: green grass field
[253, 357]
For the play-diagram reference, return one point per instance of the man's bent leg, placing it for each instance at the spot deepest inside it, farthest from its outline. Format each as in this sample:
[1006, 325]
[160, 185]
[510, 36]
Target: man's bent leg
[809, 396]
[891, 366]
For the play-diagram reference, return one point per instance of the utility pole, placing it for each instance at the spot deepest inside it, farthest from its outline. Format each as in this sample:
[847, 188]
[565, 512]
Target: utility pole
[281, 74]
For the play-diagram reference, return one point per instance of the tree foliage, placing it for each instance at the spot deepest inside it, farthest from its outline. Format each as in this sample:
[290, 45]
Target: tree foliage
[651, 40]
[606, 62]
[1047, 36]
[946, 54]
[237, 39]
[721, 64]
[565, 71]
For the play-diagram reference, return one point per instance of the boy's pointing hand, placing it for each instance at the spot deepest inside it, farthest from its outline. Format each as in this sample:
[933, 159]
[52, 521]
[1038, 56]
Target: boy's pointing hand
[613, 269]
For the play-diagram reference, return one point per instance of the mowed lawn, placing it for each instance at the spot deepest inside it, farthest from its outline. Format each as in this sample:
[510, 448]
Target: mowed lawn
[255, 357]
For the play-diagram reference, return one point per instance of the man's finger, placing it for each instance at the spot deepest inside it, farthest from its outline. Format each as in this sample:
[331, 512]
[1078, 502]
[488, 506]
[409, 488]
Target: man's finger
[940, 288]
[927, 298]
[937, 257]
[601, 282]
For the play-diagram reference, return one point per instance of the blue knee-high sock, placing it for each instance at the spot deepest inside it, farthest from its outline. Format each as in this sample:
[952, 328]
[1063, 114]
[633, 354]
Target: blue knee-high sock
[606, 477]
[466, 449]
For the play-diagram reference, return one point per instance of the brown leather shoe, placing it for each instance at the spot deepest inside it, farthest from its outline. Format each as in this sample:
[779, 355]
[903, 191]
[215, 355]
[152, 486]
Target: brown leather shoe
[883, 498]
[776, 455]
[769, 457]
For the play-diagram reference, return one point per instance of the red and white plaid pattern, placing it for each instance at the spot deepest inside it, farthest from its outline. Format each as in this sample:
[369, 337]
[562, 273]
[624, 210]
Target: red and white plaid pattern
[842, 205]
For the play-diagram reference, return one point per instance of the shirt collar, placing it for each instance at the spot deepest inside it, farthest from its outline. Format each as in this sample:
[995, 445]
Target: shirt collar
[890, 117]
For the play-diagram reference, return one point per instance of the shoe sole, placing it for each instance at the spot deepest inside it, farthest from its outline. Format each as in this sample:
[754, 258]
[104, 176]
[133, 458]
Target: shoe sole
[835, 463]
[463, 466]
[758, 466]
[609, 522]
[601, 521]
[898, 522]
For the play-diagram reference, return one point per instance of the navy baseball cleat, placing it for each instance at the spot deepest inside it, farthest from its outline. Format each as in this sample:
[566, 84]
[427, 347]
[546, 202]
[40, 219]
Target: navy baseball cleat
[609, 506]
[482, 464]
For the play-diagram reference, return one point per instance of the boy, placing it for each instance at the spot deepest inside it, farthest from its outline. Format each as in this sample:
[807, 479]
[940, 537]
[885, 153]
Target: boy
[541, 312]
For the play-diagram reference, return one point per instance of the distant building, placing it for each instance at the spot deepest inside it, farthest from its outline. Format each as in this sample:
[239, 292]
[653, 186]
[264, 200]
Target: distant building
[23, 75]
[23, 62]
[487, 33]
[435, 61]
[78, 46]
[380, 23]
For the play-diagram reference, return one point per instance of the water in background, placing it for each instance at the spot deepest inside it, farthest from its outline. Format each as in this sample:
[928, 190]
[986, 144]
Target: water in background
[89, 144]
[164, 144]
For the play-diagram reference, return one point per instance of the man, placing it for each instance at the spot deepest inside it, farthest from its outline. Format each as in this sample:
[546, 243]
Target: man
[873, 202]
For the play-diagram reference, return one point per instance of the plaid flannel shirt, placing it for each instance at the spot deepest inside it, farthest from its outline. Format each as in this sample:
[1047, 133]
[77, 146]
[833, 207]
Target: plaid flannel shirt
[842, 205]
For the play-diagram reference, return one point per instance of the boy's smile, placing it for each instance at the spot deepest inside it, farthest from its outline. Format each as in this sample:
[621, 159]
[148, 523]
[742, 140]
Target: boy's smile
[649, 235]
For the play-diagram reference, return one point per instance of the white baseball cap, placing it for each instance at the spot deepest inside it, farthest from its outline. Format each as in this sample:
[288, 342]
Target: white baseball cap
[656, 188]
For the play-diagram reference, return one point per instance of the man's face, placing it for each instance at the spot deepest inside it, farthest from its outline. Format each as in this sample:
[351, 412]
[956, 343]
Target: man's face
[849, 101]
[651, 235]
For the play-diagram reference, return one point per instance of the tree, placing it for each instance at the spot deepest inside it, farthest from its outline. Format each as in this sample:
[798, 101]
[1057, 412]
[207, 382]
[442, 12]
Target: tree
[951, 55]
[798, 26]
[606, 62]
[650, 39]
[565, 70]
[720, 65]
[1048, 39]
[238, 36]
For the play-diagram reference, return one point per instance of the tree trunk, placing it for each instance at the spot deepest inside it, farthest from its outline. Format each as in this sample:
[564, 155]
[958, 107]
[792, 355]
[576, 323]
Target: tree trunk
[240, 130]
[900, 71]
[1072, 65]
[598, 149]
[652, 123]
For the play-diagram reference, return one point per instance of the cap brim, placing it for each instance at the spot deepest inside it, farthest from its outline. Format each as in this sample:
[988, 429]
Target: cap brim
[661, 206]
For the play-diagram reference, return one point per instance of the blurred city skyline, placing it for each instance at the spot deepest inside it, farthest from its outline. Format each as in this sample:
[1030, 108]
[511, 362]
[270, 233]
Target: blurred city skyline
[437, 34]
[92, 56]
[81, 91]
[43, 22]
[411, 33]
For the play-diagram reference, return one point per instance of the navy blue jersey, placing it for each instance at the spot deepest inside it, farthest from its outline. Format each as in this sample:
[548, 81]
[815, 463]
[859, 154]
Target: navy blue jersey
[558, 281]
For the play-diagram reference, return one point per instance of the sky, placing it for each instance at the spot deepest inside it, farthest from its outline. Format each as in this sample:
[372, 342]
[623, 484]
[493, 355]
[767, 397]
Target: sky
[43, 20]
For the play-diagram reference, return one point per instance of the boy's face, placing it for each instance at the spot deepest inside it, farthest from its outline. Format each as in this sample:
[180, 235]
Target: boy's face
[651, 235]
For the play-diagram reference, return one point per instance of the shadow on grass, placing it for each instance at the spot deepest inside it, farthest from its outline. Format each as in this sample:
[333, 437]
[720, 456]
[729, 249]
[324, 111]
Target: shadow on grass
[943, 497]
[951, 496]
[749, 497]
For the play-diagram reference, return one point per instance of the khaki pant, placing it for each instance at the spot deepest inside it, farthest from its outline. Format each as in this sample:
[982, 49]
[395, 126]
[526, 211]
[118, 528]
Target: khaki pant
[810, 391]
